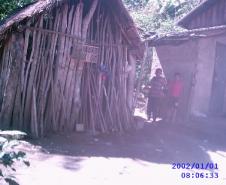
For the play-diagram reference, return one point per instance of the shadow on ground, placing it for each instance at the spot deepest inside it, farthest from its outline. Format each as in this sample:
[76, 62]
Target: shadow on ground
[160, 143]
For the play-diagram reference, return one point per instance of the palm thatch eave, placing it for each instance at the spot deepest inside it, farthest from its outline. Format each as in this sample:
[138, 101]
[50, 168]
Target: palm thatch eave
[125, 21]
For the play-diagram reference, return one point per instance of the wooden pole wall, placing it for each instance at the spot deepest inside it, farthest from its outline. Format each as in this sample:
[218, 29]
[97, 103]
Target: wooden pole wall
[47, 90]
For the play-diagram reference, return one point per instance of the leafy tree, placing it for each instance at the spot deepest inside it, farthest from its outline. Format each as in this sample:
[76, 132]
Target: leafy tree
[8, 6]
[159, 15]
[135, 4]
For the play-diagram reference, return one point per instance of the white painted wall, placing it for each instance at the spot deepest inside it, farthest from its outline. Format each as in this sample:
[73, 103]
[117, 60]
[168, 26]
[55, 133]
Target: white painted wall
[205, 62]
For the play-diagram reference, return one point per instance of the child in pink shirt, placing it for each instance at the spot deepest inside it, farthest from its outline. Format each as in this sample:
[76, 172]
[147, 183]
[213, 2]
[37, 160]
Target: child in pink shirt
[175, 88]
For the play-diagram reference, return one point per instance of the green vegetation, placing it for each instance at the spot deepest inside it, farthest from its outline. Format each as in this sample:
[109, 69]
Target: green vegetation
[8, 6]
[159, 15]
[9, 155]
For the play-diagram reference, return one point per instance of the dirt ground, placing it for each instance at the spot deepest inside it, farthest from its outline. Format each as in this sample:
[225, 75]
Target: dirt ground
[141, 157]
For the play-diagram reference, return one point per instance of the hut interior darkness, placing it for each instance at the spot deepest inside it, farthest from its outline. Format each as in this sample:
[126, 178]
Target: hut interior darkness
[68, 62]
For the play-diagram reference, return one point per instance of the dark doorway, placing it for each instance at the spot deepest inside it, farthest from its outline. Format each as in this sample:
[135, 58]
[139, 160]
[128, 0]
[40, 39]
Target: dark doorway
[219, 81]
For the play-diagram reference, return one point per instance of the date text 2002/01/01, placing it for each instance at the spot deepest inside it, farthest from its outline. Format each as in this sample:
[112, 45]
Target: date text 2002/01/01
[189, 166]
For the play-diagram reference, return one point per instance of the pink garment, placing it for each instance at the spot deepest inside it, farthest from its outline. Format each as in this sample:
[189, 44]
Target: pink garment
[175, 88]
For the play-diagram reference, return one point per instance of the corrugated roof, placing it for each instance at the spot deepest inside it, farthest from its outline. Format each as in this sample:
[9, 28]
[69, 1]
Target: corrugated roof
[196, 11]
[175, 38]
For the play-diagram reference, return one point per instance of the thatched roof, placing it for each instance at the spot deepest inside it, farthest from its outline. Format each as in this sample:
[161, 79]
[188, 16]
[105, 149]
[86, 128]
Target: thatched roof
[124, 19]
[196, 11]
[176, 38]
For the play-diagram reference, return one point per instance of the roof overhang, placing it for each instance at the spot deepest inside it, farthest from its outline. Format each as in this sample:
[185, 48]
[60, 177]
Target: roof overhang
[177, 38]
[125, 21]
[196, 11]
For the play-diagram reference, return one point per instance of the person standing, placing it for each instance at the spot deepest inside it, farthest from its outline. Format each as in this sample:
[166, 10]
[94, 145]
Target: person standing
[156, 95]
[175, 90]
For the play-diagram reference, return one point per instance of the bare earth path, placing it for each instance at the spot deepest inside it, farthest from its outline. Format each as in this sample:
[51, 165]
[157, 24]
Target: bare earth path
[143, 157]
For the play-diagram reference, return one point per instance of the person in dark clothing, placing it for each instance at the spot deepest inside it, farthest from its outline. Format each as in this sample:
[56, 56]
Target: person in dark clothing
[156, 95]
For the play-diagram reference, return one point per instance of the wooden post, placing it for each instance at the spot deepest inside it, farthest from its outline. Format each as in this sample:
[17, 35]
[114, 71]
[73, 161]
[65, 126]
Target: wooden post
[131, 81]
[141, 75]
[15, 57]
